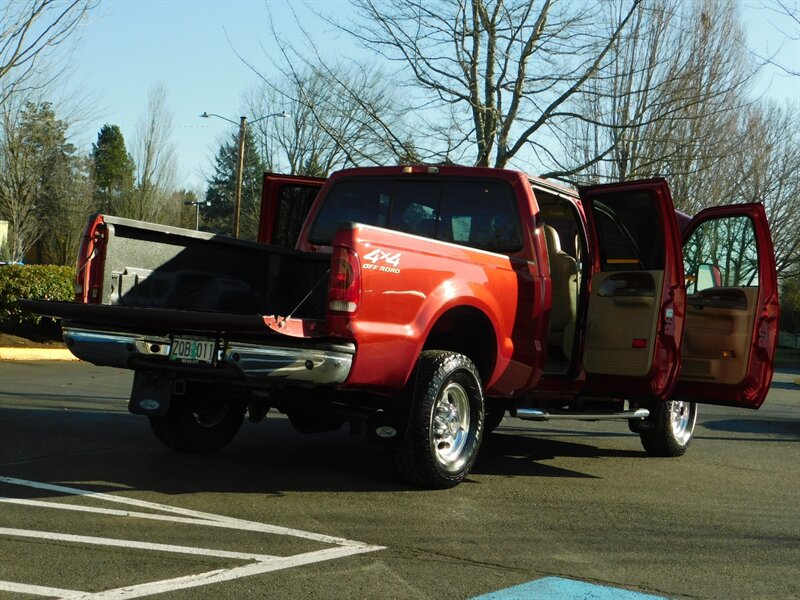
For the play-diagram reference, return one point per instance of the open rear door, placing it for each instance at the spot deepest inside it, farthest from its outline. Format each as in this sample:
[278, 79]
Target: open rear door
[636, 303]
[285, 202]
[732, 314]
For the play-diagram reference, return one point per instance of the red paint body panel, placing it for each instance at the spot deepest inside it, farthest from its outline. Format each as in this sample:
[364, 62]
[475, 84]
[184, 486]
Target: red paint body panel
[398, 309]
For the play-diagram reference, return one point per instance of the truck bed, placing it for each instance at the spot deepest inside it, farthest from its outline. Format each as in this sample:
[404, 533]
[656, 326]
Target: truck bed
[161, 267]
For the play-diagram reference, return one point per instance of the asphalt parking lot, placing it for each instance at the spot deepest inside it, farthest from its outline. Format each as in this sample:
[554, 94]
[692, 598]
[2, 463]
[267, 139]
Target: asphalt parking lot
[91, 504]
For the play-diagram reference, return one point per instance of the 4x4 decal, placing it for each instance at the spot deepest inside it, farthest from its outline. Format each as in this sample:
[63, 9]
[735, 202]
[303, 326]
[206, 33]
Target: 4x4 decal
[380, 256]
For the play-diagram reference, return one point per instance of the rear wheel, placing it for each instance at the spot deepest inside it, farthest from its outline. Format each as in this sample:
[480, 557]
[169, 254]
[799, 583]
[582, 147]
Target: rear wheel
[446, 425]
[673, 425]
[492, 417]
[200, 423]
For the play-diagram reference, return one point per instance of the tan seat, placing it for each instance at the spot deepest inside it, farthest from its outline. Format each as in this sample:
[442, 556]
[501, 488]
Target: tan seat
[564, 274]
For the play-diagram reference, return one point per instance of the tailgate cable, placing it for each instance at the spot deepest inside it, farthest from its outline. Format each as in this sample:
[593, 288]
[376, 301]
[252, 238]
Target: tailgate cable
[307, 296]
[88, 260]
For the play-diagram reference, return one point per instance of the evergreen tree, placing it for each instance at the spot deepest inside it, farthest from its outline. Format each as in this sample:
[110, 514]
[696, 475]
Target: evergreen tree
[113, 168]
[218, 217]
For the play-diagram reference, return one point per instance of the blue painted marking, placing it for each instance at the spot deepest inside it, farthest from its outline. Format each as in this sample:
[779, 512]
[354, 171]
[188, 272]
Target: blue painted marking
[557, 588]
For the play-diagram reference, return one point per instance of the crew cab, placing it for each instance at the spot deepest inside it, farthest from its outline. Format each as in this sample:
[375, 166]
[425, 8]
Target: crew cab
[422, 304]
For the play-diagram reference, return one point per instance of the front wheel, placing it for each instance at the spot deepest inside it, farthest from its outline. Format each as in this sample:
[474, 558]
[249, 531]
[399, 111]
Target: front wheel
[446, 423]
[672, 428]
[200, 423]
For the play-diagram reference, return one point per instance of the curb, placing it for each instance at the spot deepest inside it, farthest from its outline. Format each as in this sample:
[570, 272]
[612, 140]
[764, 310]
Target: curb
[36, 354]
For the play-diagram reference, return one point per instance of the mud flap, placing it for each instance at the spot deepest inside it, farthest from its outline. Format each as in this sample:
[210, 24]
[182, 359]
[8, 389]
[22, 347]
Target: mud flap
[389, 424]
[151, 395]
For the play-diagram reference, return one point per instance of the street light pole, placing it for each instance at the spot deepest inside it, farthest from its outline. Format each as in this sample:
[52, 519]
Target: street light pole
[239, 176]
[240, 163]
[196, 204]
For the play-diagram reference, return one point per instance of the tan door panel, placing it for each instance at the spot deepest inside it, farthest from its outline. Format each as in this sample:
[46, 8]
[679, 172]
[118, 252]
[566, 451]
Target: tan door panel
[718, 332]
[622, 322]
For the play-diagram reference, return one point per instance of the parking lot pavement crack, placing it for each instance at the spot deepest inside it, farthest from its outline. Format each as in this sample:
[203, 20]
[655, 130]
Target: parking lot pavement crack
[759, 470]
[30, 459]
[428, 554]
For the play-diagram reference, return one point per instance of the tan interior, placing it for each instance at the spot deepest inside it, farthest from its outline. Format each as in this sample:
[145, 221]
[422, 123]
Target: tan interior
[616, 324]
[564, 274]
[717, 338]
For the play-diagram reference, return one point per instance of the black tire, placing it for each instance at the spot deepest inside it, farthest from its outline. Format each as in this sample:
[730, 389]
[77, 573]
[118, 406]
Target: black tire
[445, 427]
[201, 423]
[492, 417]
[672, 426]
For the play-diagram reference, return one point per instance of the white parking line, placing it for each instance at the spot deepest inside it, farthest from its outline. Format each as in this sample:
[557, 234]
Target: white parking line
[35, 590]
[261, 563]
[98, 541]
[205, 517]
[219, 576]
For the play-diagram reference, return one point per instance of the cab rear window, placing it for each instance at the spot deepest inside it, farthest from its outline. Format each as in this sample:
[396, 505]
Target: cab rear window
[475, 213]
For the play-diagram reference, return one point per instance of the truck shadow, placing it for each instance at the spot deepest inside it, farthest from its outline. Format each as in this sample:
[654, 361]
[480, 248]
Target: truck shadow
[760, 430]
[70, 447]
[515, 454]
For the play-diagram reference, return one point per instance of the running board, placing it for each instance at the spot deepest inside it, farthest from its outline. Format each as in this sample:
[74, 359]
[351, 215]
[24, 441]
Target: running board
[536, 414]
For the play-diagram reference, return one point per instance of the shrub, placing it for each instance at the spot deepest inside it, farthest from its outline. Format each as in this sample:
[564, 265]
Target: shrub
[46, 282]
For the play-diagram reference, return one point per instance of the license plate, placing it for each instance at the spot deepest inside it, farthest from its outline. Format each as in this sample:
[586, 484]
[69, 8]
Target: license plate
[191, 350]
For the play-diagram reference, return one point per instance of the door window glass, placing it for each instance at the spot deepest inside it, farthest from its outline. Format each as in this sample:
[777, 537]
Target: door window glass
[721, 253]
[294, 202]
[356, 201]
[629, 232]
[480, 214]
[415, 208]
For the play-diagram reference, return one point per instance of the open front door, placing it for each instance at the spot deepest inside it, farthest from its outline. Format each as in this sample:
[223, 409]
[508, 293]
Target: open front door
[732, 314]
[635, 311]
[285, 202]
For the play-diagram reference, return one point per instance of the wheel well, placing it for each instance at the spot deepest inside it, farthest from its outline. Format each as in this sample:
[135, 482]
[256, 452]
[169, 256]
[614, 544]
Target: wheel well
[468, 331]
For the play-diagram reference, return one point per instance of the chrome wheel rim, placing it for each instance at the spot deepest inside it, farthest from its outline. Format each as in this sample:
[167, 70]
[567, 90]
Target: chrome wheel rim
[681, 420]
[450, 423]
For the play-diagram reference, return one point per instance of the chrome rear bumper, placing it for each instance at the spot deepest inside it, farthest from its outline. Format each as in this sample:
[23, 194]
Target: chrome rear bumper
[325, 364]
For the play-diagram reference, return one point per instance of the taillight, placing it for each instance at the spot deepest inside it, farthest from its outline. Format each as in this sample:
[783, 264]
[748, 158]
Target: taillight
[345, 285]
[88, 271]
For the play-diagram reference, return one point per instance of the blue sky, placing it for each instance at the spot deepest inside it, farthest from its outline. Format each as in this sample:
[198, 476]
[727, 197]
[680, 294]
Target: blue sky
[129, 46]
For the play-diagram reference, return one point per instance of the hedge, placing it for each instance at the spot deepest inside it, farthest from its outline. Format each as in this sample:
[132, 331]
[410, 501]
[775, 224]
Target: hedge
[47, 282]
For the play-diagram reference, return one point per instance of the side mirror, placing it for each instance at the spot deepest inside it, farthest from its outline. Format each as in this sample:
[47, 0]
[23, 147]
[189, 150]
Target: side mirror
[708, 276]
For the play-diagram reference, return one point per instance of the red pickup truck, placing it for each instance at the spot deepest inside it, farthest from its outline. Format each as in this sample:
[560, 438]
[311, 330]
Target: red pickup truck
[422, 304]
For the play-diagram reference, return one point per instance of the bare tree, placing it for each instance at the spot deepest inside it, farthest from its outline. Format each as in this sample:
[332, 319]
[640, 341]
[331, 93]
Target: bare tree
[767, 170]
[29, 31]
[506, 68]
[154, 154]
[338, 115]
[68, 205]
[786, 23]
[670, 102]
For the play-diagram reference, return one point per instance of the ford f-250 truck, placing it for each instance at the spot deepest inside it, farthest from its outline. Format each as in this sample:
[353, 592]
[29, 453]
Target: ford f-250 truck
[421, 304]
